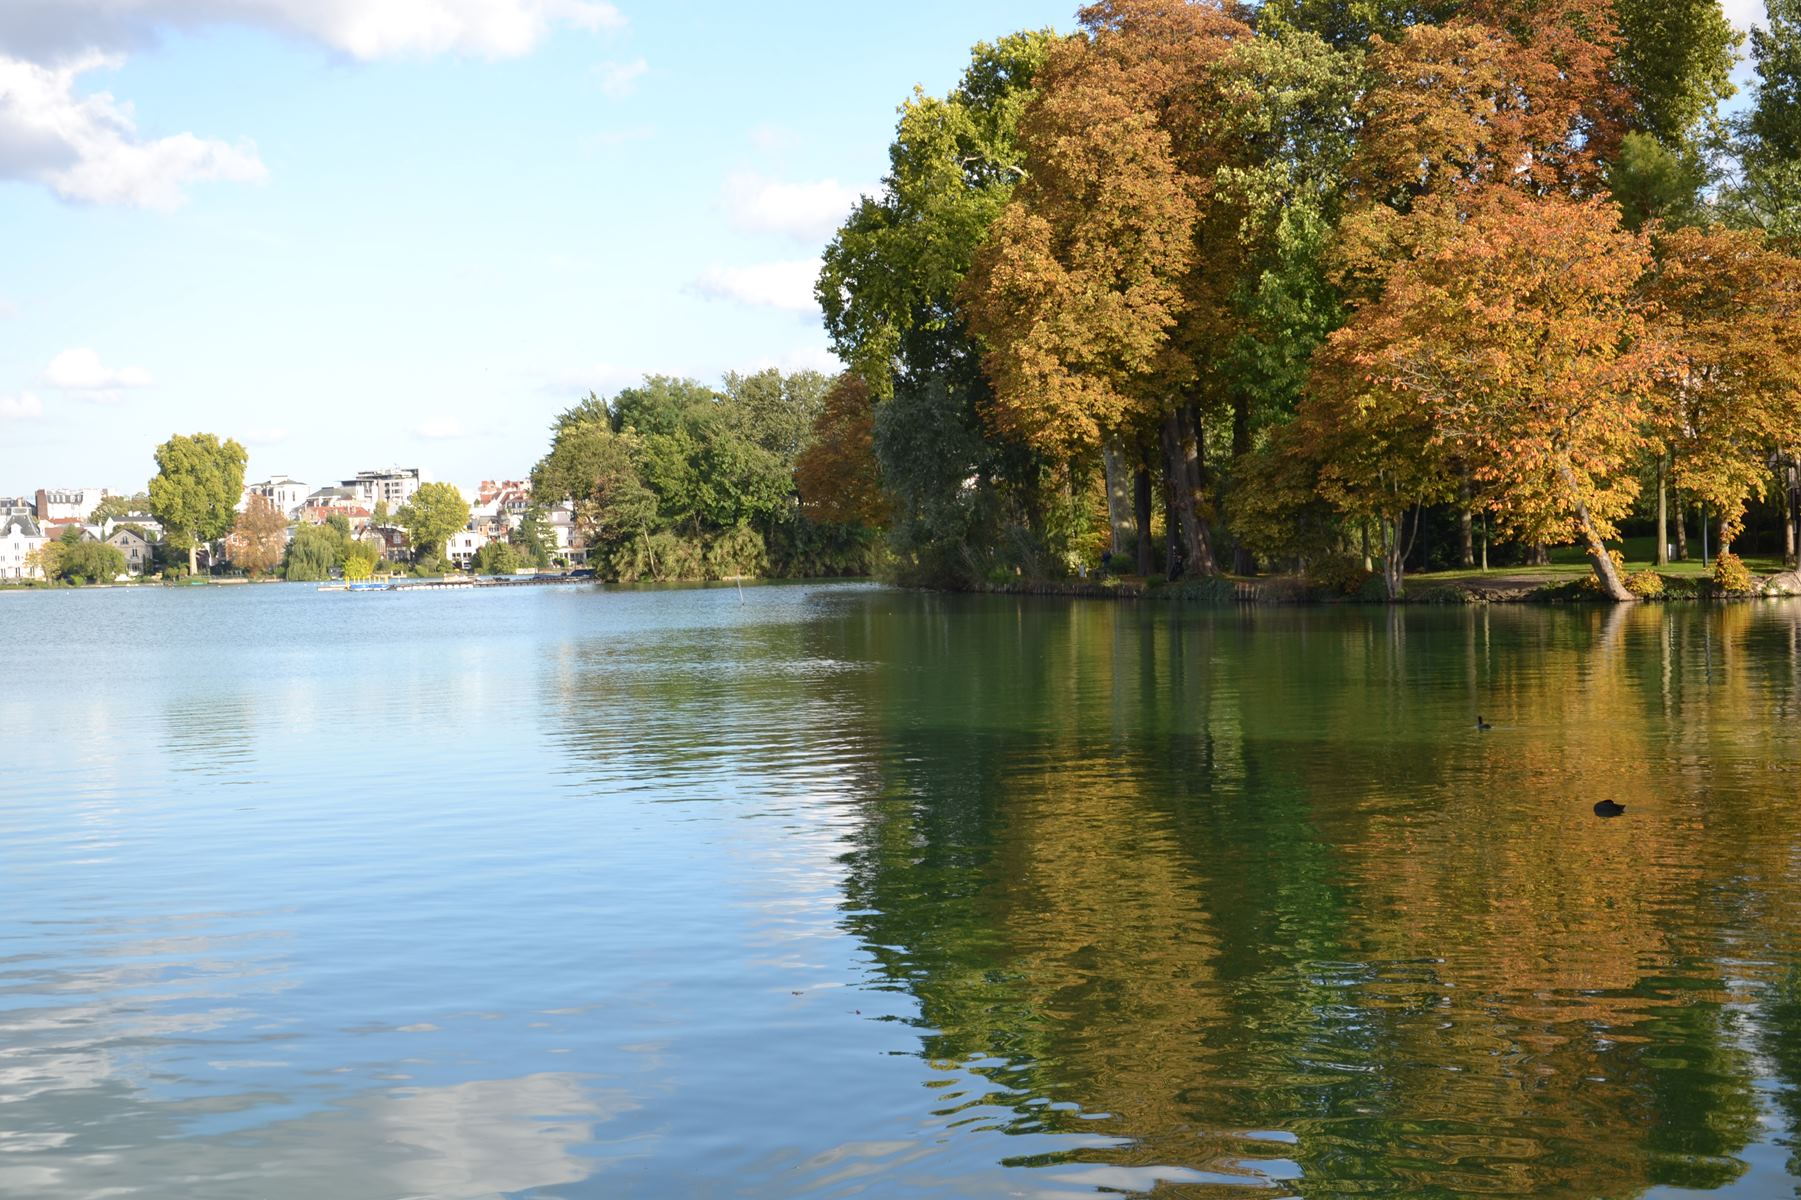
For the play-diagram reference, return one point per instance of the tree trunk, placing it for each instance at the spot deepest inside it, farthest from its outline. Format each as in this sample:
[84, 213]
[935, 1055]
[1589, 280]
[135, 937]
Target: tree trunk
[1794, 508]
[1681, 526]
[1788, 523]
[1141, 506]
[1466, 525]
[1119, 498]
[1243, 562]
[193, 559]
[1394, 553]
[1172, 549]
[1541, 555]
[1363, 531]
[1182, 454]
[1703, 523]
[1611, 585]
[1662, 557]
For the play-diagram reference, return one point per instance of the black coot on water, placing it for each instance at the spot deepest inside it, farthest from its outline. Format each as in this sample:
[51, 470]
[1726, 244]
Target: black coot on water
[1607, 808]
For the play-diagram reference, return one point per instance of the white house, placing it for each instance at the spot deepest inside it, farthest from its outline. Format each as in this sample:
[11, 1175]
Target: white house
[395, 485]
[68, 504]
[464, 544]
[287, 495]
[19, 538]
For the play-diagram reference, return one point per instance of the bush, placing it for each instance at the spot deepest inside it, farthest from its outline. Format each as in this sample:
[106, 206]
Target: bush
[1646, 585]
[497, 558]
[1338, 575]
[1730, 578]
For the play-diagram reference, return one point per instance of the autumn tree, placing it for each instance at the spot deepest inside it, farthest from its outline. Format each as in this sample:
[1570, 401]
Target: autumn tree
[1083, 293]
[195, 492]
[836, 474]
[258, 538]
[1729, 307]
[1521, 341]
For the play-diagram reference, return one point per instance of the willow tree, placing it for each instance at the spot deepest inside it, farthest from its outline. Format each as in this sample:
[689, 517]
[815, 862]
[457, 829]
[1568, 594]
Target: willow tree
[1521, 342]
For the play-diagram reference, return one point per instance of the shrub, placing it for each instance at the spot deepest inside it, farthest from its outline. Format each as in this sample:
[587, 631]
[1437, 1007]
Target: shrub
[1592, 582]
[1730, 578]
[1646, 585]
[497, 558]
[1338, 575]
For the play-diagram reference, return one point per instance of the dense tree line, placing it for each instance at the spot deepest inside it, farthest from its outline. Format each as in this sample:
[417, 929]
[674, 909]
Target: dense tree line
[1278, 288]
[673, 479]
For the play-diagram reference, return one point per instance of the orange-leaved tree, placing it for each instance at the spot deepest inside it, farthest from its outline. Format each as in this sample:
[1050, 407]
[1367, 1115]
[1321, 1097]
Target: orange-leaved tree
[258, 537]
[1729, 305]
[1082, 288]
[1519, 342]
[837, 474]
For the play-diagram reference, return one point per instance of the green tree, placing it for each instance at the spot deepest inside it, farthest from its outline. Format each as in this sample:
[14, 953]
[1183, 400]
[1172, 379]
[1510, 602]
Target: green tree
[534, 539]
[198, 483]
[435, 511]
[361, 559]
[497, 558]
[79, 559]
[1675, 61]
[1650, 181]
[111, 508]
[312, 554]
[1767, 192]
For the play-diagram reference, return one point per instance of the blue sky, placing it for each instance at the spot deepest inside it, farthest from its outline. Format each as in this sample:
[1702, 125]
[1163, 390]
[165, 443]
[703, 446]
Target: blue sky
[360, 232]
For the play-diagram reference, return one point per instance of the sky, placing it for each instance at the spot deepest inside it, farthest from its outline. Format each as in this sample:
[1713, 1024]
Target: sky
[361, 233]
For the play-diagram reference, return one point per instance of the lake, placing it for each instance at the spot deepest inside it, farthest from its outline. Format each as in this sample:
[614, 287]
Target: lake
[847, 891]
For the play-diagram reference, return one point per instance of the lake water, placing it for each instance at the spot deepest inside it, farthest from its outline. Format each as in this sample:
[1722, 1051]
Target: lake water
[845, 891]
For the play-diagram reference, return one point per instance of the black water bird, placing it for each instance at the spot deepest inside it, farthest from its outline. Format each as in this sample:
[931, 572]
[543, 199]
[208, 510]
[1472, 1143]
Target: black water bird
[1481, 725]
[1607, 808]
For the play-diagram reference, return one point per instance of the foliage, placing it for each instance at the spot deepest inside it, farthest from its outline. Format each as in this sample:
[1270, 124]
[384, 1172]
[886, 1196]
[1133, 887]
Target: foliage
[1730, 575]
[888, 280]
[1774, 122]
[1729, 308]
[836, 474]
[360, 560]
[111, 508]
[497, 558]
[1338, 575]
[1649, 181]
[195, 492]
[1675, 61]
[533, 539]
[313, 554]
[434, 512]
[1519, 342]
[75, 559]
[258, 538]
[1646, 585]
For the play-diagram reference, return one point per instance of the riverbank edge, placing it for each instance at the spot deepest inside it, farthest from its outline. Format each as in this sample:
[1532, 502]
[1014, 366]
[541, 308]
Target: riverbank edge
[1292, 590]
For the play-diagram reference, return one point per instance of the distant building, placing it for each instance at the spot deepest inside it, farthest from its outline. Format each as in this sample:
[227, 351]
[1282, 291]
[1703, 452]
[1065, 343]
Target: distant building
[464, 545]
[153, 528]
[391, 540]
[20, 537]
[500, 507]
[395, 485]
[17, 506]
[136, 549]
[68, 504]
[287, 495]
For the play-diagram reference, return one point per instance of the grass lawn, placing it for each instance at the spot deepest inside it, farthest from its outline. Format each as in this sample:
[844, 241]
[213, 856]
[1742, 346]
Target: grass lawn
[1570, 561]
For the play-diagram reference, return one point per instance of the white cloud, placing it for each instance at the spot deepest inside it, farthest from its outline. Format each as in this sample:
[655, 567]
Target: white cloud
[440, 431]
[619, 79]
[45, 30]
[81, 371]
[784, 285]
[87, 148]
[808, 211]
[23, 407]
